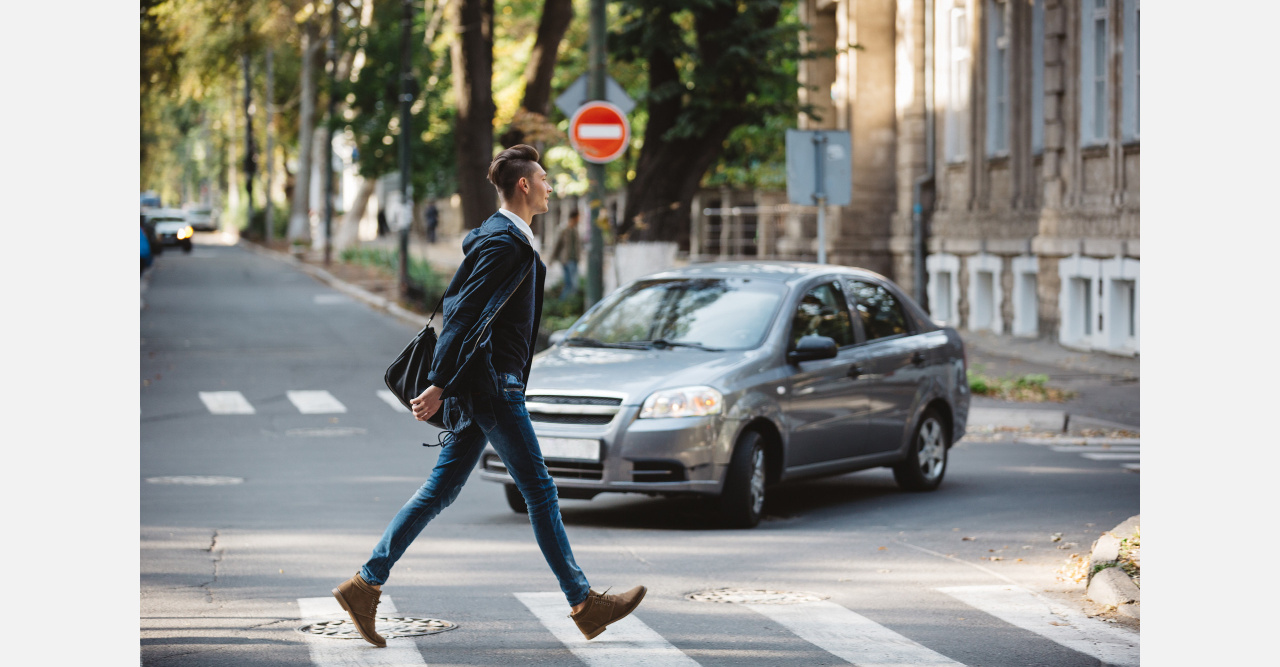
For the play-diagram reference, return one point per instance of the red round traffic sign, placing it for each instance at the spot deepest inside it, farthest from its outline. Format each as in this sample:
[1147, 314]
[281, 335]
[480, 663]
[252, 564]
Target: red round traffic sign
[599, 131]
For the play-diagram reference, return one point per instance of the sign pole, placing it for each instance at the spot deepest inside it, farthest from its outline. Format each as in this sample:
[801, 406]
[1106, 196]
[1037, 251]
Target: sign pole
[595, 172]
[819, 143]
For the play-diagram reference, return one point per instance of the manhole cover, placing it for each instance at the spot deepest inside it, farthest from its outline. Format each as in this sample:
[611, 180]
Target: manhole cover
[753, 596]
[324, 432]
[388, 626]
[196, 480]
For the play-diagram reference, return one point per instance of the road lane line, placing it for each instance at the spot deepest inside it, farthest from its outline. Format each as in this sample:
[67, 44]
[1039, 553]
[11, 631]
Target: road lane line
[226, 403]
[1112, 457]
[627, 642]
[327, 652]
[315, 402]
[849, 636]
[390, 399]
[1018, 606]
[1120, 449]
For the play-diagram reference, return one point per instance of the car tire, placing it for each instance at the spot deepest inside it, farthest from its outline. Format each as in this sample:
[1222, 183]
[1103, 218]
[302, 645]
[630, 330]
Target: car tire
[514, 499]
[742, 500]
[186, 247]
[926, 461]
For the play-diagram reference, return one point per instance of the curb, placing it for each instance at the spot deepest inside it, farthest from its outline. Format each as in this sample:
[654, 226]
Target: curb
[1111, 585]
[1040, 419]
[333, 281]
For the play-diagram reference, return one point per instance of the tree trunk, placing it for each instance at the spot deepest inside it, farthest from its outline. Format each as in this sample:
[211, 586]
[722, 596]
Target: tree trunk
[472, 52]
[556, 16]
[300, 211]
[349, 228]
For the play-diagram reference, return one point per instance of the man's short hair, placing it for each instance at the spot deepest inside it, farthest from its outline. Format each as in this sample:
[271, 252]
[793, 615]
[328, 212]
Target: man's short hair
[510, 166]
[574, 213]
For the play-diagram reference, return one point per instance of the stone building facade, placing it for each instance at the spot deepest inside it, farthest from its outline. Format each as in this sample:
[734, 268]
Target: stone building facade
[1018, 120]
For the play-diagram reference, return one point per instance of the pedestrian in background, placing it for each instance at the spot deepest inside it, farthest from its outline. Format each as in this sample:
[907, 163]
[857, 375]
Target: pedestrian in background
[568, 248]
[433, 219]
[478, 374]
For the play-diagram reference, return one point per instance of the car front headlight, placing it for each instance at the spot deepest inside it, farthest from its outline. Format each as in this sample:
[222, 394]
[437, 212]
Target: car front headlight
[185, 233]
[682, 402]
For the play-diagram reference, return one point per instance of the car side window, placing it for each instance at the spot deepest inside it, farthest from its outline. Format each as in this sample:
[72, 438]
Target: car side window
[823, 312]
[880, 312]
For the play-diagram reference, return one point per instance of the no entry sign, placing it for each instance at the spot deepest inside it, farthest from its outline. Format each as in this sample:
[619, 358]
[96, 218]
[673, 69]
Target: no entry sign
[599, 131]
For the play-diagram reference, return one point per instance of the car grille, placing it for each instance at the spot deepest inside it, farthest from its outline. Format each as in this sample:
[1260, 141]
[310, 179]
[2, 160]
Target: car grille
[561, 409]
[558, 469]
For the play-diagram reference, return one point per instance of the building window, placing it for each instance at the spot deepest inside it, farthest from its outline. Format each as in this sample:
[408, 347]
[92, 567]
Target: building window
[944, 297]
[997, 46]
[1080, 317]
[1026, 302]
[1130, 118]
[1037, 77]
[985, 293]
[1093, 72]
[1120, 281]
[957, 118]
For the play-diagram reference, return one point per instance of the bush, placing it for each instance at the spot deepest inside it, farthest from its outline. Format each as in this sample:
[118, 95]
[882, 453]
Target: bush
[425, 285]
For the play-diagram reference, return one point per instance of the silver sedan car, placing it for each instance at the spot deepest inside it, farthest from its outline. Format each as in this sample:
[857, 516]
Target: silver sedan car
[725, 379]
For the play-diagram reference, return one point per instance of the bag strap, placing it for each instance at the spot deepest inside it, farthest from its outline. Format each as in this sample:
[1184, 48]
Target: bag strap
[433, 310]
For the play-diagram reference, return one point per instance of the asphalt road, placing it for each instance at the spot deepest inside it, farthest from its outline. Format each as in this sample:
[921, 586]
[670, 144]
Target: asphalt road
[228, 569]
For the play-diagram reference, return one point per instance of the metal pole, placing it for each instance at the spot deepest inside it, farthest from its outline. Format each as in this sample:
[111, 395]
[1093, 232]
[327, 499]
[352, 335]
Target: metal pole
[819, 144]
[406, 99]
[918, 236]
[332, 48]
[249, 169]
[595, 172]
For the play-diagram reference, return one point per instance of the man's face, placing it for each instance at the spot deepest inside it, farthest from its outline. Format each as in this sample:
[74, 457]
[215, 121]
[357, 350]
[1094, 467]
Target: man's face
[539, 190]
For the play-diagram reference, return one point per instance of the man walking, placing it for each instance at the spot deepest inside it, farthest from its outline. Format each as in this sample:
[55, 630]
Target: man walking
[568, 249]
[481, 363]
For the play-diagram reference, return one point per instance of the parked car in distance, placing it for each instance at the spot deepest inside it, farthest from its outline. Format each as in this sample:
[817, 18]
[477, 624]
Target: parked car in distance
[723, 380]
[201, 218]
[171, 228]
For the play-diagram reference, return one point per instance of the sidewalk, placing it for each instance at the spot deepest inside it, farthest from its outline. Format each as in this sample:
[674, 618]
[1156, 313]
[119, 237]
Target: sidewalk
[1107, 387]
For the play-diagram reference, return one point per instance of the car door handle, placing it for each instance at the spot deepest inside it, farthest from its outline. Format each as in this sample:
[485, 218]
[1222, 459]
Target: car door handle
[855, 371]
[917, 358]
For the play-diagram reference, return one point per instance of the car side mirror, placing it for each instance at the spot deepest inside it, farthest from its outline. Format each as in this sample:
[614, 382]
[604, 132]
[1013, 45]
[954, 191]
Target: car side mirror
[813, 348]
[558, 336]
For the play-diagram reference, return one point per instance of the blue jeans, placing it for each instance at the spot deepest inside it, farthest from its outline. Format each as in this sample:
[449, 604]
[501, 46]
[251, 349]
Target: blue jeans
[570, 278]
[504, 421]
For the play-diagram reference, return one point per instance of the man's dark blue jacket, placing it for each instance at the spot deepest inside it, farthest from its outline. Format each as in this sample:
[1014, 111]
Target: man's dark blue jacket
[498, 257]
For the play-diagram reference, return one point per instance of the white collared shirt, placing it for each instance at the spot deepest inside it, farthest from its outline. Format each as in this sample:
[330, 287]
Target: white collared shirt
[521, 225]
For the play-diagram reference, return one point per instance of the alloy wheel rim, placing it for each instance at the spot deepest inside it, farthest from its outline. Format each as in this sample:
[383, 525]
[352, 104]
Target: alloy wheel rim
[931, 450]
[757, 481]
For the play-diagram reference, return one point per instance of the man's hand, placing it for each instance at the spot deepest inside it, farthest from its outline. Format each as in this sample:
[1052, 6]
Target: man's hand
[427, 403]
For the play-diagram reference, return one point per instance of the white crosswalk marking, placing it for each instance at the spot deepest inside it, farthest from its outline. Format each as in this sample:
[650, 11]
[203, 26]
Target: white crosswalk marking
[627, 642]
[850, 636]
[226, 403]
[1126, 449]
[1109, 456]
[315, 402]
[390, 399]
[1019, 606]
[327, 652]
[330, 299]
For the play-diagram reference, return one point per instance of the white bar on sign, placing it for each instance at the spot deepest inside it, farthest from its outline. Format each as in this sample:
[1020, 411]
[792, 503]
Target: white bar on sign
[315, 402]
[390, 399]
[627, 642]
[849, 636]
[570, 448]
[599, 131]
[226, 403]
[326, 652]
[1018, 606]
[1099, 456]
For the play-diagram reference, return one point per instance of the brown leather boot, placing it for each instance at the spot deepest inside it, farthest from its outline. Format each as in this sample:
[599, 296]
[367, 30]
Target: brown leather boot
[361, 602]
[603, 610]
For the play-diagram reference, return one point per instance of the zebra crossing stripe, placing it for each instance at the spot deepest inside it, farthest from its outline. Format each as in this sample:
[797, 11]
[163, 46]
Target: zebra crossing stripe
[1018, 606]
[1119, 449]
[390, 399]
[315, 402]
[849, 636]
[627, 642]
[226, 403]
[1112, 457]
[326, 652]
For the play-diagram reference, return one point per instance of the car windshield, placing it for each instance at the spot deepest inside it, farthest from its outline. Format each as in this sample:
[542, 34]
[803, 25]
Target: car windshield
[701, 313]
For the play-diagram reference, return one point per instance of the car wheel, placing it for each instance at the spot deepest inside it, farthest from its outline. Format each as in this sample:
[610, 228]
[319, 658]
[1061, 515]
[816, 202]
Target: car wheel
[514, 499]
[186, 247]
[742, 501]
[926, 460]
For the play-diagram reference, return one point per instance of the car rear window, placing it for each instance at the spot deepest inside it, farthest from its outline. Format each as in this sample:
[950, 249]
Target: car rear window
[724, 313]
